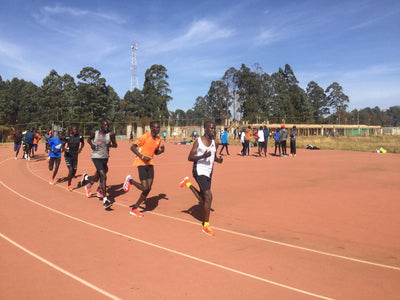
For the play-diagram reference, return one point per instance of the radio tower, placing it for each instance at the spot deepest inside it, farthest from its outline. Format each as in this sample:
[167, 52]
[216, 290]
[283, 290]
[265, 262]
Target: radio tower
[134, 77]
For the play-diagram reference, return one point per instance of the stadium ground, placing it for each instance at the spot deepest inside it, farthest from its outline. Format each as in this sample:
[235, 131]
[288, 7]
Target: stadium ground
[324, 224]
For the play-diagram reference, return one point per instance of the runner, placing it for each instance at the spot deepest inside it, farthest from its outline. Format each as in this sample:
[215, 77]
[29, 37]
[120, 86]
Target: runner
[28, 143]
[71, 150]
[144, 148]
[18, 136]
[55, 154]
[47, 138]
[203, 155]
[36, 138]
[100, 141]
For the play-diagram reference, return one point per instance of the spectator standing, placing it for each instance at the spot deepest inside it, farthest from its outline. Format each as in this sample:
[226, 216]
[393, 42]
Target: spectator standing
[293, 141]
[247, 137]
[266, 136]
[224, 141]
[276, 138]
[282, 139]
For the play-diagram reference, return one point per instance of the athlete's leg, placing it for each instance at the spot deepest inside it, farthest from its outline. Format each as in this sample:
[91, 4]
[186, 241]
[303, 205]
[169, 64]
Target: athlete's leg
[145, 187]
[207, 205]
[57, 161]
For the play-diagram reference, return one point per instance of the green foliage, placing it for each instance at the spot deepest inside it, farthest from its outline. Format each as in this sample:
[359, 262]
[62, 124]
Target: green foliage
[251, 95]
[318, 101]
[156, 92]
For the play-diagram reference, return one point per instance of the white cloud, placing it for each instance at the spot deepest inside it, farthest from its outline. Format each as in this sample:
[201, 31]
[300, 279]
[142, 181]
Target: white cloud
[10, 51]
[199, 33]
[76, 12]
[267, 36]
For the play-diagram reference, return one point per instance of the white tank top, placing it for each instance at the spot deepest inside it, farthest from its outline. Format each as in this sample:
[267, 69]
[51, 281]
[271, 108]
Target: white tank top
[261, 136]
[204, 166]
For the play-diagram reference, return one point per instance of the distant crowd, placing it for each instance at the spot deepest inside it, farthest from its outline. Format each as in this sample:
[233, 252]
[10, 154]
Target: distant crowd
[258, 138]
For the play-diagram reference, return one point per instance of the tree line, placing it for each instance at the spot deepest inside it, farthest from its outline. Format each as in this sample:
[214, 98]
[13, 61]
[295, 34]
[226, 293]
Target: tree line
[245, 94]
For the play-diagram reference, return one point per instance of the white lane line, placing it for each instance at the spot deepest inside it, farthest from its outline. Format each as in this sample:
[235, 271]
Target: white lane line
[166, 249]
[255, 237]
[82, 281]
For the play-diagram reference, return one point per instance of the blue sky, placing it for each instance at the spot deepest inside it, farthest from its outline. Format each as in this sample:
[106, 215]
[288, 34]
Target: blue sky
[355, 43]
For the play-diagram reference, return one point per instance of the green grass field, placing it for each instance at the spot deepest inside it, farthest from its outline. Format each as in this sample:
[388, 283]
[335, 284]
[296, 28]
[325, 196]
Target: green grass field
[365, 144]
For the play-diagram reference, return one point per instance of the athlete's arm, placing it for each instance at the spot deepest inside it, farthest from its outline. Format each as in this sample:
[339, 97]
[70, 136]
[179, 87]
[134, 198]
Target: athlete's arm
[192, 155]
[82, 144]
[138, 154]
[90, 140]
[160, 150]
[113, 143]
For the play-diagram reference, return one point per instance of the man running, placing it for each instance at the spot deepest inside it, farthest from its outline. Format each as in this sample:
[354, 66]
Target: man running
[36, 138]
[72, 146]
[55, 154]
[18, 136]
[203, 155]
[144, 149]
[28, 142]
[100, 141]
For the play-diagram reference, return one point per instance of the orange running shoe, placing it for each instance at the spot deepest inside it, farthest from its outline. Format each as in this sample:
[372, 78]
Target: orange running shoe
[208, 230]
[51, 181]
[69, 188]
[99, 193]
[184, 182]
[88, 191]
[127, 183]
[135, 212]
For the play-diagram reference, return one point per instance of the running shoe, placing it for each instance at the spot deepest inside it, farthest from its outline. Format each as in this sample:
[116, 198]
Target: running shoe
[83, 180]
[107, 204]
[136, 212]
[88, 191]
[48, 159]
[127, 183]
[208, 230]
[51, 181]
[99, 193]
[184, 182]
[15, 158]
[69, 188]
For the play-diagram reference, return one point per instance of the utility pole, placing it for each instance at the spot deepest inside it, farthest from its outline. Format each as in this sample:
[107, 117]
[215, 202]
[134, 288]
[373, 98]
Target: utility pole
[134, 76]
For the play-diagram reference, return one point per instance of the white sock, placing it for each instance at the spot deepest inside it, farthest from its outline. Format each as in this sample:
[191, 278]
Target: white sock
[105, 199]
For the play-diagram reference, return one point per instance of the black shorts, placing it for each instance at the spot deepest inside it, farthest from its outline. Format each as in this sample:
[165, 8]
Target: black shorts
[146, 172]
[100, 164]
[54, 160]
[204, 182]
[71, 160]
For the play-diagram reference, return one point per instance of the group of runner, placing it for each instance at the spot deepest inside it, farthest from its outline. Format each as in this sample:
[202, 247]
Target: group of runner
[203, 154]
[28, 141]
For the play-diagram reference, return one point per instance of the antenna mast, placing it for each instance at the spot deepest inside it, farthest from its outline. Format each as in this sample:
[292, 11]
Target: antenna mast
[134, 77]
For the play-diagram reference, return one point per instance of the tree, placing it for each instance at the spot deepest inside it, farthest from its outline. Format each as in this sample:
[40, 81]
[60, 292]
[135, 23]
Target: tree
[201, 108]
[249, 91]
[289, 76]
[230, 79]
[217, 100]
[92, 96]
[133, 105]
[337, 99]
[301, 105]
[156, 92]
[58, 98]
[282, 109]
[319, 103]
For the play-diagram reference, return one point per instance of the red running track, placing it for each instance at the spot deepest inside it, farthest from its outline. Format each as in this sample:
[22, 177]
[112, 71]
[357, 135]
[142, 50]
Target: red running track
[324, 224]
